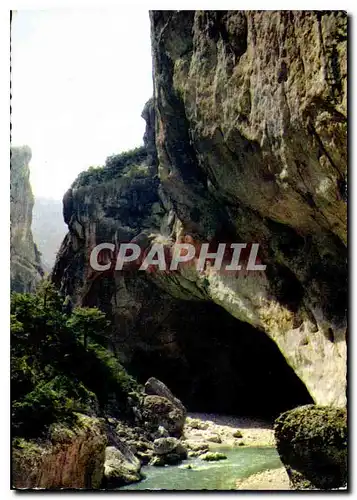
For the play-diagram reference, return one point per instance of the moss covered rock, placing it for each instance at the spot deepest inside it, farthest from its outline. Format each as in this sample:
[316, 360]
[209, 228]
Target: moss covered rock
[158, 411]
[163, 446]
[121, 467]
[212, 456]
[72, 458]
[155, 387]
[168, 451]
[196, 423]
[312, 444]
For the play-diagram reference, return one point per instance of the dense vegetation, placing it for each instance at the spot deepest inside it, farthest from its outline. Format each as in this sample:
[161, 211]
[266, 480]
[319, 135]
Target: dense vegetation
[60, 365]
[115, 165]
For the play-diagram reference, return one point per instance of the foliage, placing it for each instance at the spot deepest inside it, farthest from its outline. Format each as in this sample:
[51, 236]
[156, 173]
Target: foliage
[115, 166]
[59, 364]
[89, 322]
[56, 399]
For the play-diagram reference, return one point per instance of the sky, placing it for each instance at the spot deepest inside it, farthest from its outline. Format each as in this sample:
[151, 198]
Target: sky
[80, 79]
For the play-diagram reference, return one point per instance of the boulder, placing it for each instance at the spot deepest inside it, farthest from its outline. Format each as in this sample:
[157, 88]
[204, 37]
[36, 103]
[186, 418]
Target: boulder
[213, 456]
[193, 454]
[197, 446]
[214, 438]
[312, 444]
[120, 468]
[144, 456]
[159, 411]
[157, 461]
[155, 387]
[163, 446]
[132, 437]
[168, 451]
[196, 423]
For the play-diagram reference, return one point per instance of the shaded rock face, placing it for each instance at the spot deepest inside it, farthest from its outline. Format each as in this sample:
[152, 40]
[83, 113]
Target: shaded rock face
[123, 208]
[120, 468]
[216, 362]
[168, 451]
[158, 411]
[163, 446]
[312, 444]
[123, 436]
[74, 459]
[245, 142]
[210, 360]
[25, 265]
[251, 131]
[154, 387]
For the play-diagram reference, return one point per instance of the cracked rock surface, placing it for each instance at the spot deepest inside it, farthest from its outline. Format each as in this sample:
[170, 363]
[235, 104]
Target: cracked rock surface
[246, 141]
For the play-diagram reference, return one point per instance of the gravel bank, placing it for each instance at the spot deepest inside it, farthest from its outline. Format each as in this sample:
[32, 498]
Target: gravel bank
[222, 430]
[276, 479]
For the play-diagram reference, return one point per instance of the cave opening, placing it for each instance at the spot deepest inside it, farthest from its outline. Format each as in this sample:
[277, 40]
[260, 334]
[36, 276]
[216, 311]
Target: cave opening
[217, 364]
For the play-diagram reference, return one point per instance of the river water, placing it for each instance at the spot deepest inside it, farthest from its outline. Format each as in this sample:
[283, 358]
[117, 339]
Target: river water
[241, 462]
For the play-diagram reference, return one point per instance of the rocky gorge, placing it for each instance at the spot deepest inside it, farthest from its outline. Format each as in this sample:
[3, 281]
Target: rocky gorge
[245, 142]
[204, 153]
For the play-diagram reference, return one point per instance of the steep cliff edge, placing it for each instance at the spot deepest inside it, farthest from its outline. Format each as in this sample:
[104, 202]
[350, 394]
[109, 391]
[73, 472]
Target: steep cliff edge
[251, 135]
[25, 263]
[212, 361]
[245, 142]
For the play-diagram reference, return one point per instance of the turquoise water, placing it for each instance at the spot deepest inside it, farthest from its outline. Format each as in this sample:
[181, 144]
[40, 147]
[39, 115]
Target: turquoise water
[241, 462]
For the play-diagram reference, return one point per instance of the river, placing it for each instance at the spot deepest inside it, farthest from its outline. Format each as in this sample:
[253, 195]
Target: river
[241, 462]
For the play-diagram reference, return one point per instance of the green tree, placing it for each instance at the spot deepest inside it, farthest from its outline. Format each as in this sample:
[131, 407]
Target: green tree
[51, 298]
[89, 323]
[58, 366]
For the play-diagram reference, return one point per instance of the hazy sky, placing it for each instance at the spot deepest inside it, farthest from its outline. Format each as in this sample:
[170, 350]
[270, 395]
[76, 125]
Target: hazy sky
[80, 79]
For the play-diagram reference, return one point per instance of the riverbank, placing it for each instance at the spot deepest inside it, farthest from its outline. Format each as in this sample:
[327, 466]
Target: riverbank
[251, 460]
[195, 474]
[276, 479]
[218, 430]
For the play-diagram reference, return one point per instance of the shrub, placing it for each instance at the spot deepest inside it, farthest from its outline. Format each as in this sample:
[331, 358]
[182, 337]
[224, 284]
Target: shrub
[115, 166]
[60, 365]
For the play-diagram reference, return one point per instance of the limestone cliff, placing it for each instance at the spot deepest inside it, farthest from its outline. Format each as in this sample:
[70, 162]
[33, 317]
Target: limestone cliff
[245, 142]
[205, 355]
[72, 459]
[25, 263]
[251, 135]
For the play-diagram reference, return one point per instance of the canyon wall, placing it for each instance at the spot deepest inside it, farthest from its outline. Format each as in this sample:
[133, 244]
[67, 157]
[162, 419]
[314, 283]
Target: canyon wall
[25, 264]
[251, 135]
[246, 141]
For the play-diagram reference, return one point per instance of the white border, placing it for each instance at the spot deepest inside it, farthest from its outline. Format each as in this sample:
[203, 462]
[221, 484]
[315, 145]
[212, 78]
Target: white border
[5, 6]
